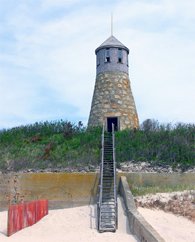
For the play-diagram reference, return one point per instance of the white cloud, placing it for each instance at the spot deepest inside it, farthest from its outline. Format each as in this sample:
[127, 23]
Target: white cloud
[163, 76]
[57, 54]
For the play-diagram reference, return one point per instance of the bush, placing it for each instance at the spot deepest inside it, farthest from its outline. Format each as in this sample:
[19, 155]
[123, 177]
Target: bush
[62, 143]
[159, 143]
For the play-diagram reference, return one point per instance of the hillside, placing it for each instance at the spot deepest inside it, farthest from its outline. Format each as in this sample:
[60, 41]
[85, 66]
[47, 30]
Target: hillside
[61, 145]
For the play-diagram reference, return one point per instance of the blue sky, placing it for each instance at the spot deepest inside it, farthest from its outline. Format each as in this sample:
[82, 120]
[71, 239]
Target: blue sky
[47, 59]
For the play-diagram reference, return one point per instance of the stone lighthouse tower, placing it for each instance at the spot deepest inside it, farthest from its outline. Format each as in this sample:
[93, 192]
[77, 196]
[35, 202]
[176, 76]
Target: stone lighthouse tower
[113, 100]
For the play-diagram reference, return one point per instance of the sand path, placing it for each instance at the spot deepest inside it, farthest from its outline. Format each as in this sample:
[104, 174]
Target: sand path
[66, 225]
[171, 227]
[79, 224]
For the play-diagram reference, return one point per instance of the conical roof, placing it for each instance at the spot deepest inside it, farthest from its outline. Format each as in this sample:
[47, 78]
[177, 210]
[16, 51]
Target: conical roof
[112, 42]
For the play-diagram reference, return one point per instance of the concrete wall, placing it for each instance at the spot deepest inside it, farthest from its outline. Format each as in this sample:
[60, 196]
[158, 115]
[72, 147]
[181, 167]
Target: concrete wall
[113, 65]
[163, 179]
[138, 225]
[61, 189]
[72, 189]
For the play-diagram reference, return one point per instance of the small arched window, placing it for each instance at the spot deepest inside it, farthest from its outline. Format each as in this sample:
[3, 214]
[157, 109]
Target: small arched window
[120, 56]
[107, 55]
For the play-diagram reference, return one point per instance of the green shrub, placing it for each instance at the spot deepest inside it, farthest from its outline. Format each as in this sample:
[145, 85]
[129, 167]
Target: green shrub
[172, 145]
[61, 143]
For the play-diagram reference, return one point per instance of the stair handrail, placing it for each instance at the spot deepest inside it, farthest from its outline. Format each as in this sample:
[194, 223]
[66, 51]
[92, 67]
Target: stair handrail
[114, 166]
[101, 170]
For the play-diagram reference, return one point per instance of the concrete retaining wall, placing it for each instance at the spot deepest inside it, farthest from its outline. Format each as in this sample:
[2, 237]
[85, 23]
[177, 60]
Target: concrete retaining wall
[73, 189]
[61, 189]
[138, 225]
[160, 179]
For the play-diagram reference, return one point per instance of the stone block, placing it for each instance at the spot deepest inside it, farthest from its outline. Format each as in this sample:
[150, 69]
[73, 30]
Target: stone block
[112, 95]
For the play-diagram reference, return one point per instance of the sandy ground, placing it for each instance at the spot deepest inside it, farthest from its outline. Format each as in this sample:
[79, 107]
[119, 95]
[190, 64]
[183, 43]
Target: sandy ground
[79, 224]
[171, 227]
[66, 225]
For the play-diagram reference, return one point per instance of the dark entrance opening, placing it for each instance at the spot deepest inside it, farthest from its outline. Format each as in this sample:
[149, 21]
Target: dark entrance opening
[110, 121]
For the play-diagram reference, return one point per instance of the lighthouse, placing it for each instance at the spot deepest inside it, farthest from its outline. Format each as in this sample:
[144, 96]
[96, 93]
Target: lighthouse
[113, 101]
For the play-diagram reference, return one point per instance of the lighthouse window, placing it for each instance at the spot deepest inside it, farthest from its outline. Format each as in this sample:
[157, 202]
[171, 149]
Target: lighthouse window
[120, 56]
[107, 55]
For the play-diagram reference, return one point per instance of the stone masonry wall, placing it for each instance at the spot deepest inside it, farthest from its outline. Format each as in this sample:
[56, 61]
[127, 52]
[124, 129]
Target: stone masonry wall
[113, 98]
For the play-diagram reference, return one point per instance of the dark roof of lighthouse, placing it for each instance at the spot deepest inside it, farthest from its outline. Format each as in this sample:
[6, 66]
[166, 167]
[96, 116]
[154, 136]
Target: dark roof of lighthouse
[112, 42]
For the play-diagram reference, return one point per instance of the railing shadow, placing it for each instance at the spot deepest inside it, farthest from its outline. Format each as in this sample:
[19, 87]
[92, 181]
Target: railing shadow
[93, 200]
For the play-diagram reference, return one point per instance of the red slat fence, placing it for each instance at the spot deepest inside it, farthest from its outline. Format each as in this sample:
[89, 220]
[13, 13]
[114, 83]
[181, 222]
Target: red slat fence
[25, 214]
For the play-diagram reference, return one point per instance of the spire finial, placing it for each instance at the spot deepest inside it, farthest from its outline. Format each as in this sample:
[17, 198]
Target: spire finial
[111, 24]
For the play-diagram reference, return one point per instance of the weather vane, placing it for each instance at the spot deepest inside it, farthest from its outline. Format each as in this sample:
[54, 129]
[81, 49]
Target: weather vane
[111, 24]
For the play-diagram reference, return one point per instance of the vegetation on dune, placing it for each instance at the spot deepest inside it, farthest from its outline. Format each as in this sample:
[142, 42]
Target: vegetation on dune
[144, 190]
[64, 144]
[48, 145]
[162, 144]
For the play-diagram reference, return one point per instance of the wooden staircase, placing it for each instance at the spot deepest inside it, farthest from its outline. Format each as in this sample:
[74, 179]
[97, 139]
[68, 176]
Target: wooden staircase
[107, 203]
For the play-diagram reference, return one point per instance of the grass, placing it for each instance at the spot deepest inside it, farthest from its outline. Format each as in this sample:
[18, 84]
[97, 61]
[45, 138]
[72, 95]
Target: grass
[144, 190]
[64, 144]
[160, 144]
[43, 145]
